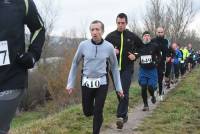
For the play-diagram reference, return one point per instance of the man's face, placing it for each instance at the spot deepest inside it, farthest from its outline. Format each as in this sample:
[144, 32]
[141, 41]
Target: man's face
[160, 32]
[190, 46]
[121, 24]
[146, 38]
[174, 46]
[96, 31]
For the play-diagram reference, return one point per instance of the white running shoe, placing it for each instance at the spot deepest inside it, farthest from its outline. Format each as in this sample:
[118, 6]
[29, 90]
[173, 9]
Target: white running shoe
[161, 98]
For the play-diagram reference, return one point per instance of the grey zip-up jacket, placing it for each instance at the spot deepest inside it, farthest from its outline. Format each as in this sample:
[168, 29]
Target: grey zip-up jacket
[95, 58]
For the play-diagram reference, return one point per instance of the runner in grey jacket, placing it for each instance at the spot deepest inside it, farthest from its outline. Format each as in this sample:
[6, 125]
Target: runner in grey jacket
[97, 54]
[95, 57]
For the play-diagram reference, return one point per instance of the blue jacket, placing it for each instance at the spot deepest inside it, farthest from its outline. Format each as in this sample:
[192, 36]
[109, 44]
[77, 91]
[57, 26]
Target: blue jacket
[177, 57]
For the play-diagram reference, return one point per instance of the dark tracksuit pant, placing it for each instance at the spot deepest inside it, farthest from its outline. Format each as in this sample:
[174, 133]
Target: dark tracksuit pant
[8, 103]
[168, 69]
[182, 68]
[126, 76]
[167, 73]
[144, 93]
[176, 70]
[93, 102]
[160, 79]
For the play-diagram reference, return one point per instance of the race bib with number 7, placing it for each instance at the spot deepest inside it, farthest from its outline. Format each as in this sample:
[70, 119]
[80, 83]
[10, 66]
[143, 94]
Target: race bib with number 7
[91, 82]
[4, 53]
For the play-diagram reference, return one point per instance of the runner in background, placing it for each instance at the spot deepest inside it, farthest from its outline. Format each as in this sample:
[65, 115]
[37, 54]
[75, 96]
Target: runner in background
[183, 62]
[163, 44]
[190, 58]
[148, 75]
[169, 66]
[176, 61]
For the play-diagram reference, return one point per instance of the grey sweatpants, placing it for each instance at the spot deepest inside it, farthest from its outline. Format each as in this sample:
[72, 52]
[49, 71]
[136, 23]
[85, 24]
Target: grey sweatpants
[9, 101]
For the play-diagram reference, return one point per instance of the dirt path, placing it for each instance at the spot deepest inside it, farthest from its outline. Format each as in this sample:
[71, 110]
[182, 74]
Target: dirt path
[136, 116]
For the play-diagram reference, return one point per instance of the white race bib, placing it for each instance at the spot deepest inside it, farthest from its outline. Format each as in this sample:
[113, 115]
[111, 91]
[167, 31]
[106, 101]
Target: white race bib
[91, 82]
[146, 59]
[4, 53]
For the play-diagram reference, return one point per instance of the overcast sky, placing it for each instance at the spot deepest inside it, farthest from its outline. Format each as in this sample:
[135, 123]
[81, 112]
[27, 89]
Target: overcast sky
[77, 14]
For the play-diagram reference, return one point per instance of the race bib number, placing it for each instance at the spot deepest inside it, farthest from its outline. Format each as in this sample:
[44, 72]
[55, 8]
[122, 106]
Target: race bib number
[146, 59]
[4, 53]
[91, 82]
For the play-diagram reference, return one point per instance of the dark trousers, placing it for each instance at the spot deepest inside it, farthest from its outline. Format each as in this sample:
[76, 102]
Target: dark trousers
[144, 93]
[167, 74]
[160, 80]
[182, 68]
[122, 109]
[93, 102]
[176, 70]
[8, 106]
[168, 70]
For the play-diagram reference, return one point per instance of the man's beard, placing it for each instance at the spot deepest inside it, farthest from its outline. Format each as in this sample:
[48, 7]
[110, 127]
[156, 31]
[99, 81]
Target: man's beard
[161, 37]
[146, 42]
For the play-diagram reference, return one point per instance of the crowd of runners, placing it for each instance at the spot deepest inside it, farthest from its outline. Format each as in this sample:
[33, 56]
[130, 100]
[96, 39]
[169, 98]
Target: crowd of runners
[160, 65]
[115, 56]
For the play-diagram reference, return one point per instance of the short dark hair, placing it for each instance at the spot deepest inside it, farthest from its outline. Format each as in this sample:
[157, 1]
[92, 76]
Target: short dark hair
[122, 15]
[146, 32]
[98, 21]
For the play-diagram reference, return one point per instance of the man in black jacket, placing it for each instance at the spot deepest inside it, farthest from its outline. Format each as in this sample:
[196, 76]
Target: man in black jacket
[163, 44]
[126, 44]
[168, 71]
[14, 59]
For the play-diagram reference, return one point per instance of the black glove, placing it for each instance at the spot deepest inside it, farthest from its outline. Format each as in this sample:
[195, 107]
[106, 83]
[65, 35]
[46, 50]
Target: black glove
[26, 60]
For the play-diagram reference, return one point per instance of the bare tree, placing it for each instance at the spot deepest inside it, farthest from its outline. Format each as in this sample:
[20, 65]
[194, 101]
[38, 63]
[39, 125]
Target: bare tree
[84, 27]
[181, 14]
[134, 26]
[174, 17]
[155, 16]
[49, 13]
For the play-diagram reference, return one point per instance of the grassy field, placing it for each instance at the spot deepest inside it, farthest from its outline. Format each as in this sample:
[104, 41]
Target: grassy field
[70, 120]
[180, 113]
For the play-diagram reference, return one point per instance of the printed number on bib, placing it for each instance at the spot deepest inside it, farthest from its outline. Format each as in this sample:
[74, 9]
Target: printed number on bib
[91, 82]
[4, 53]
[146, 59]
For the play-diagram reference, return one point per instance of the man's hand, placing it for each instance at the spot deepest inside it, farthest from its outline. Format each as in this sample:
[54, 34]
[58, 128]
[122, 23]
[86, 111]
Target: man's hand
[26, 60]
[131, 56]
[172, 60]
[168, 59]
[116, 51]
[70, 91]
[121, 94]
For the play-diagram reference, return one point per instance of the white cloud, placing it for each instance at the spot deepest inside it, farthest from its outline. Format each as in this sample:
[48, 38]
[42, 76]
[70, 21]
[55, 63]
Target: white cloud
[195, 23]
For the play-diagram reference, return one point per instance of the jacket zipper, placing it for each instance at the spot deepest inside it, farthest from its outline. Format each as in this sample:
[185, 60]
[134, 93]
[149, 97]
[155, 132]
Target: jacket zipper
[96, 52]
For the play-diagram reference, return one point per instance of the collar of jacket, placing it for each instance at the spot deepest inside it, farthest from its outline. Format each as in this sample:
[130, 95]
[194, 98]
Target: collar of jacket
[118, 32]
[97, 43]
